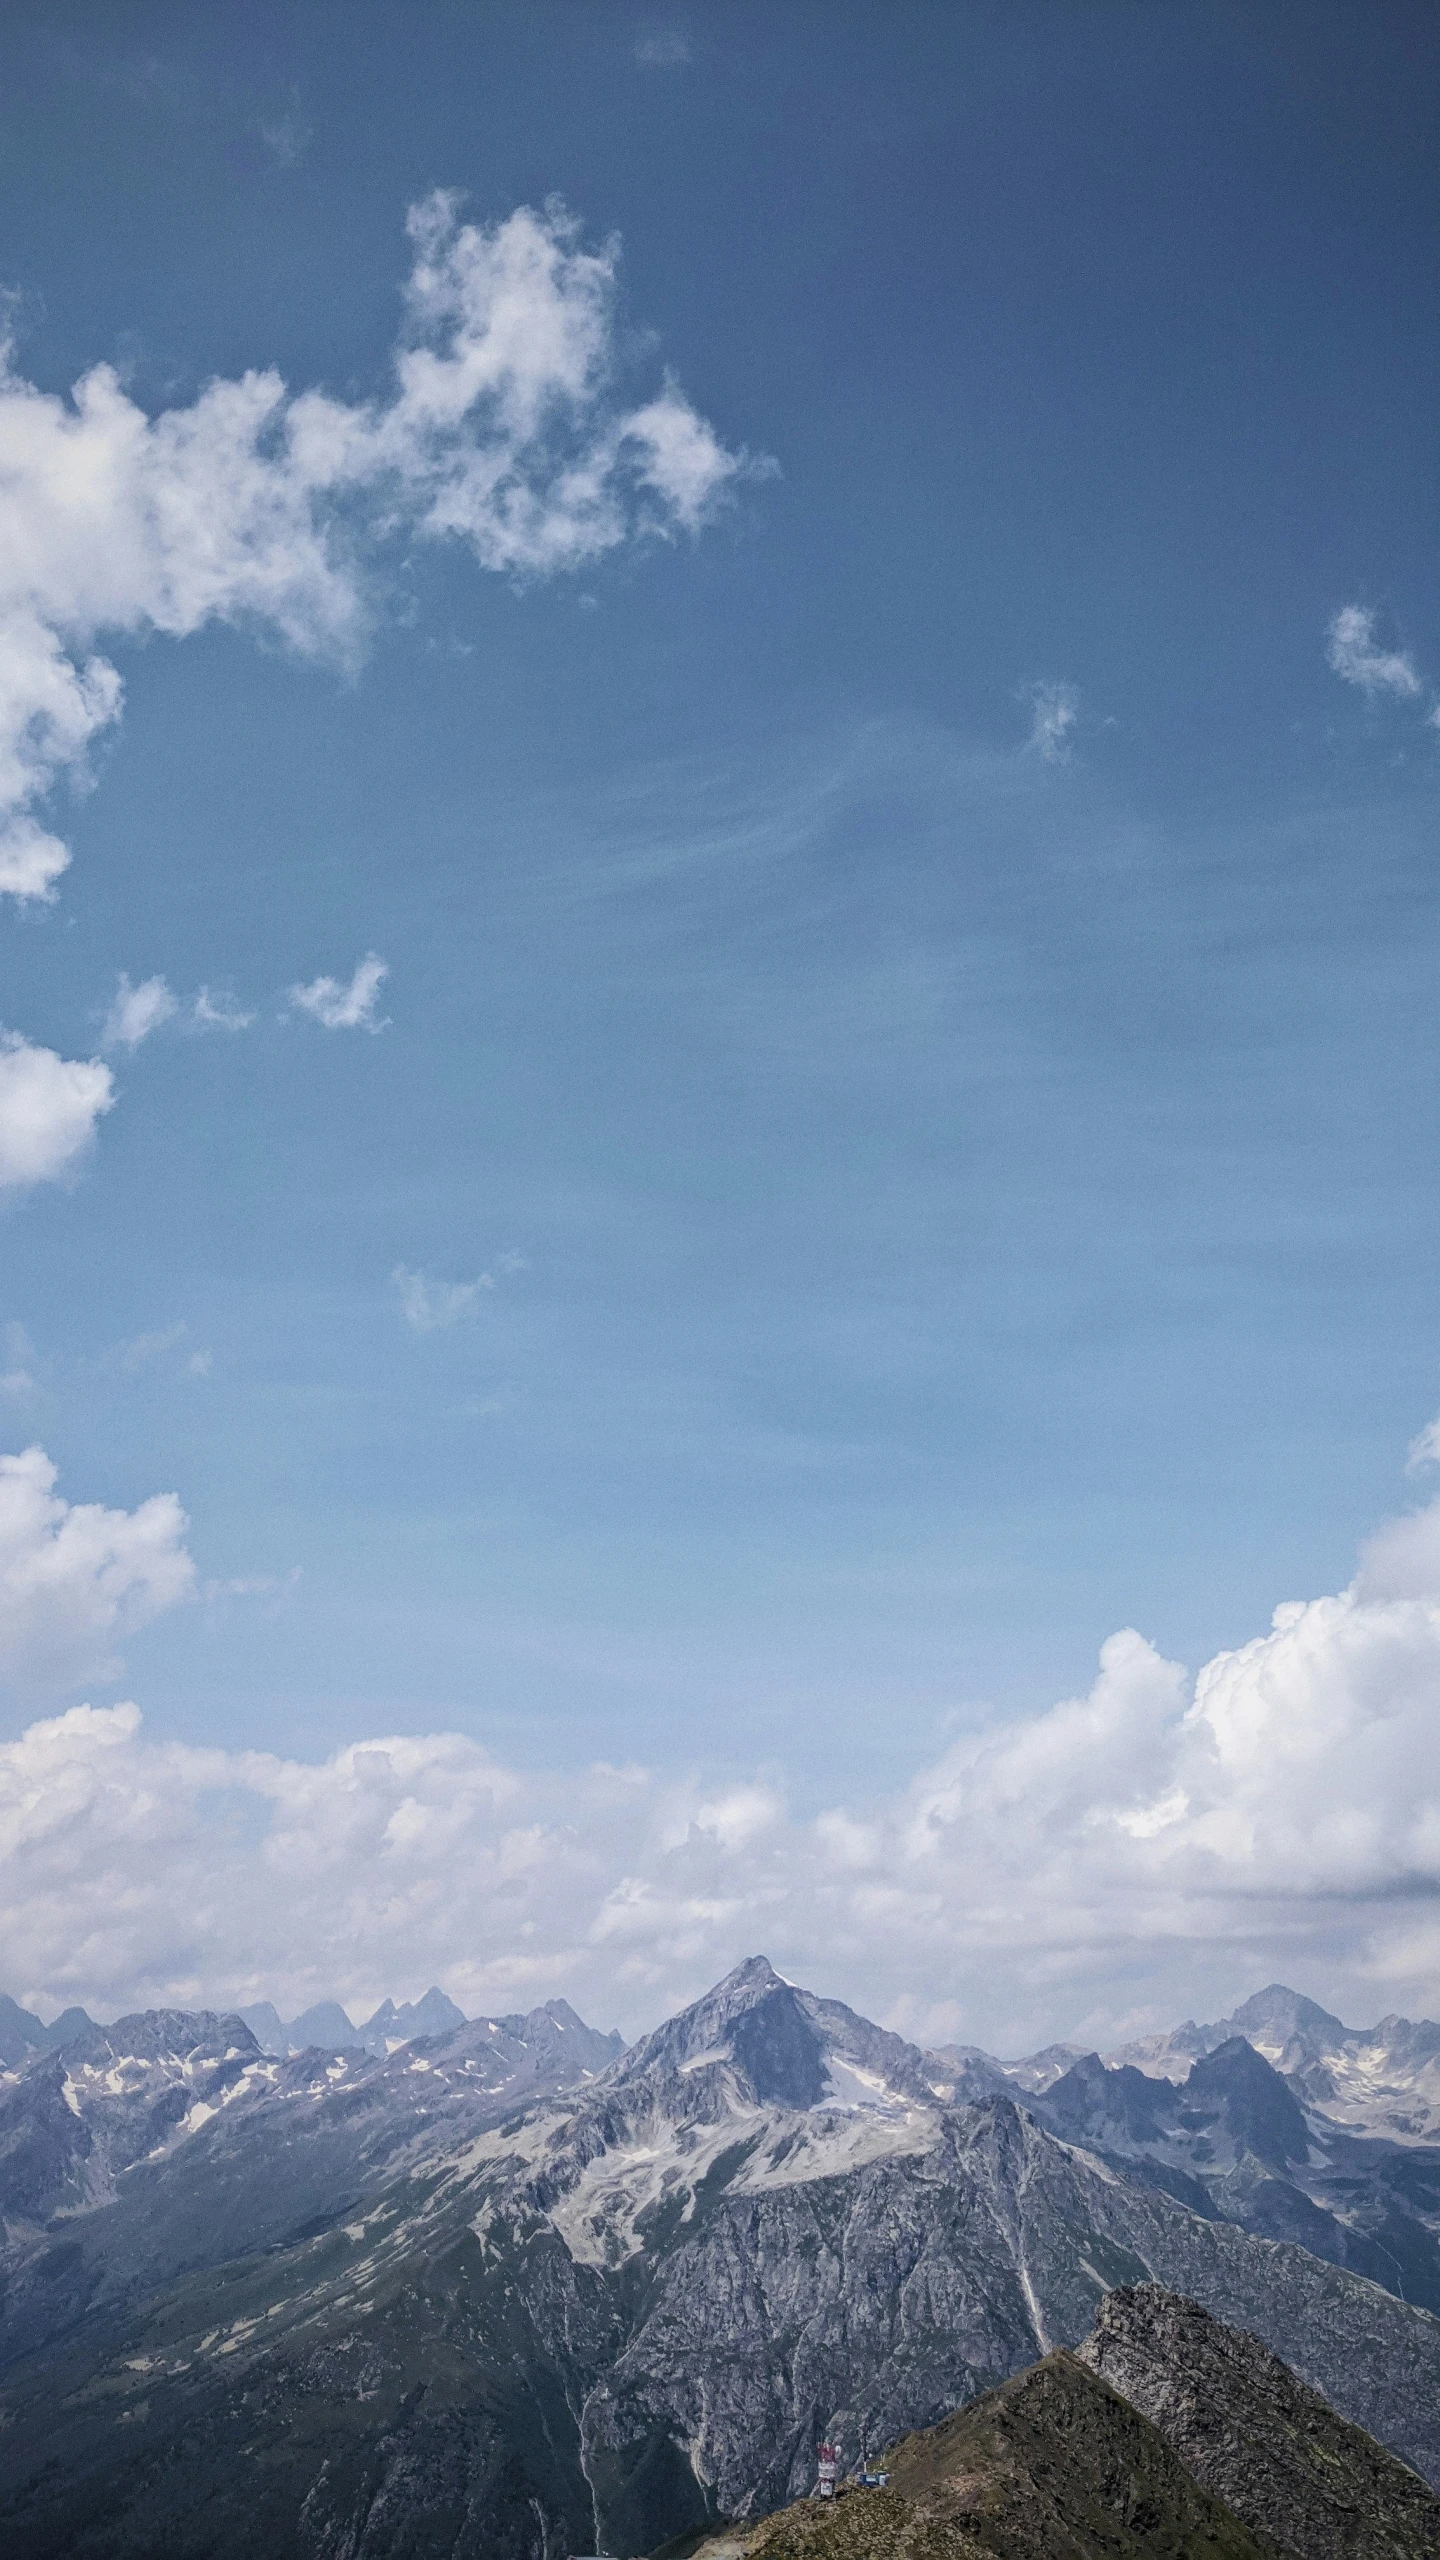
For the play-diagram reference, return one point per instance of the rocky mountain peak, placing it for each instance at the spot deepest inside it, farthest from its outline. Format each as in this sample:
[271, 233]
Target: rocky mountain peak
[1278, 2017]
[169, 2036]
[1260, 2113]
[752, 2019]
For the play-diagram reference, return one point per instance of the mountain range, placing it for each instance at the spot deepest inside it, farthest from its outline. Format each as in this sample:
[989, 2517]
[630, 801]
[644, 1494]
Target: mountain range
[22, 2035]
[518, 2286]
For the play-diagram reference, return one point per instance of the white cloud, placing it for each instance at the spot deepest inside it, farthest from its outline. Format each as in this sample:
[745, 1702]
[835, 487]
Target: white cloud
[1054, 711]
[662, 48]
[341, 1007]
[137, 1011]
[1152, 1849]
[429, 1306]
[219, 1013]
[49, 1106]
[75, 1578]
[1355, 655]
[504, 427]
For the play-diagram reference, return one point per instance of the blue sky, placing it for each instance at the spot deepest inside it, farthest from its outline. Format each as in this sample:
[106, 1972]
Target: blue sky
[898, 1134]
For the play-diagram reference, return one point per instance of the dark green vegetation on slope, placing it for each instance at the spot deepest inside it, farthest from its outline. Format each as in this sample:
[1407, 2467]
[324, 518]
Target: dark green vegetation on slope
[1051, 2466]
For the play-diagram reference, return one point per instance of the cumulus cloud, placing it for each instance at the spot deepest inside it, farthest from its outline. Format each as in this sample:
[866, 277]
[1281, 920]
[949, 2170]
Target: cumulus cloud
[1054, 711]
[504, 427]
[345, 1007]
[429, 1306]
[76, 1578]
[137, 1011]
[49, 1106]
[1357, 657]
[1154, 1848]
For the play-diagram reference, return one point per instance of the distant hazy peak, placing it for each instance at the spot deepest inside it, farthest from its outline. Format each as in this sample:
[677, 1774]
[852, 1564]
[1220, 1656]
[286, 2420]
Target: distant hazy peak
[1279, 2008]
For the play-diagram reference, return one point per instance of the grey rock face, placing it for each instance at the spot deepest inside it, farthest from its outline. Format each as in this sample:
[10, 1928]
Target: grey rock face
[1273, 2450]
[77, 2118]
[432, 2305]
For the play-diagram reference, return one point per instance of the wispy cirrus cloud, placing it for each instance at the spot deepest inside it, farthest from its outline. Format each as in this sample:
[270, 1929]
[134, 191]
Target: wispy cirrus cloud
[504, 428]
[219, 1013]
[346, 1005]
[1356, 656]
[432, 1306]
[287, 135]
[1054, 713]
[662, 48]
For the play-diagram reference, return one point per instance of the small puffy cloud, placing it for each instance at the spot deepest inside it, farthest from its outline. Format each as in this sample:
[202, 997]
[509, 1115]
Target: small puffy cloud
[137, 1011]
[1054, 711]
[503, 426]
[680, 459]
[218, 1013]
[49, 1107]
[31, 861]
[341, 1006]
[1357, 657]
[75, 1577]
[430, 1306]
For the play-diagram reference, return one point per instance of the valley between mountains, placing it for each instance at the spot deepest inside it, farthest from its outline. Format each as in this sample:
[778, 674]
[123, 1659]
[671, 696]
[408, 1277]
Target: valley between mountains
[510, 2287]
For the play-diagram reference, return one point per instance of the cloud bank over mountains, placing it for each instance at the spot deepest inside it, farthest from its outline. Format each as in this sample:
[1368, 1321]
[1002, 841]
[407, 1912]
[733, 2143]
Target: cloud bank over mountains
[1123, 1857]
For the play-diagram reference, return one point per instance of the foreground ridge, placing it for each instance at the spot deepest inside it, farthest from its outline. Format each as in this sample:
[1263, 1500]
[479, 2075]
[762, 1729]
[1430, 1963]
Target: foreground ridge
[1053, 2465]
[1257, 2436]
[1166, 2434]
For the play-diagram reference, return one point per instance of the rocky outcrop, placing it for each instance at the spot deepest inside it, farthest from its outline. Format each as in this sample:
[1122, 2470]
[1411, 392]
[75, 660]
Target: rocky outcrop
[1275, 2451]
